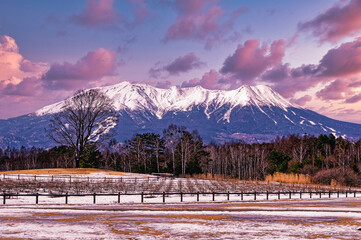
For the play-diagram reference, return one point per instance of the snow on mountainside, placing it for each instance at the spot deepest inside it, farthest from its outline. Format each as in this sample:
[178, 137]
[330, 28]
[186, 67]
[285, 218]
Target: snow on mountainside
[128, 96]
[249, 113]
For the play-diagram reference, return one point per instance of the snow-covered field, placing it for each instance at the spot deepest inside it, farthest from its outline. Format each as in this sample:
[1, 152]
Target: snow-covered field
[239, 217]
[288, 219]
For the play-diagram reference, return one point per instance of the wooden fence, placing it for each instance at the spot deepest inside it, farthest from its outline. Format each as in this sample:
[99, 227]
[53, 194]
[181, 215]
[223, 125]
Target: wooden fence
[142, 195]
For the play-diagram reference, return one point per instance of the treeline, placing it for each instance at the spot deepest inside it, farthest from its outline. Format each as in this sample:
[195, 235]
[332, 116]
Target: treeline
[182, 152]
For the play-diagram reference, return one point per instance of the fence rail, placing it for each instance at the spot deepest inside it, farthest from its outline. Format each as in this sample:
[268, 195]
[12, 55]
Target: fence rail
[142, 195]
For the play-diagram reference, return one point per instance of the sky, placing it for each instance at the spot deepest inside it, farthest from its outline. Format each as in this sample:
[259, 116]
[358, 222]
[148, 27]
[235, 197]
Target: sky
[309, 51]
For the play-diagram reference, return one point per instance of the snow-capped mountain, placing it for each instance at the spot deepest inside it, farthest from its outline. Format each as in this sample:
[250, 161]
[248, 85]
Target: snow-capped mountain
[249, 113]
[143, 97]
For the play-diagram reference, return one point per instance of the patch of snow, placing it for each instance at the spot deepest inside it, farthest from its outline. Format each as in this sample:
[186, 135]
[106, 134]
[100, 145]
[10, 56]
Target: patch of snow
[313, 123]
[288, 119]
[333, 130]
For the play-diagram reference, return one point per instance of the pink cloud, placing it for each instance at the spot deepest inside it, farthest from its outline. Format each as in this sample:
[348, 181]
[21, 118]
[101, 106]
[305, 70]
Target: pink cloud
[200, 20]
[336, 23]
[177, 66]
[13, 66]
[8, 44]
[33, 67]
[101, 13]
[163, 84]
[210, 80]
[30, 86]
[303, 100]
[354, 99]
[334, 91]
[140, 10]
[292, 40]
[97, 12]
[93, 66]
[250, 60]
[344, 60]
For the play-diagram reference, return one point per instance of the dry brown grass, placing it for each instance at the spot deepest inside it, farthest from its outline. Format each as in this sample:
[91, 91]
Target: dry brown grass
[78, 218]
[318, 236]
[65, 171]
[289, 178]
[121, 232]
[197, 216]
[210, 177]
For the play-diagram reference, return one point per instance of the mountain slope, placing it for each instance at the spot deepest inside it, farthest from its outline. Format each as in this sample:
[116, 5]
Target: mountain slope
[250, 113]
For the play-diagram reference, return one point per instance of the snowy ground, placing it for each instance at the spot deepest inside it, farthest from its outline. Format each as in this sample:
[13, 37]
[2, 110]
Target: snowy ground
[239, 217]
[286, 219]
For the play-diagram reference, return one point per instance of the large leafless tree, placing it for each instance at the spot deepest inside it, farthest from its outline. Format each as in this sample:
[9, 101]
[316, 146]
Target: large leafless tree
[85, 118]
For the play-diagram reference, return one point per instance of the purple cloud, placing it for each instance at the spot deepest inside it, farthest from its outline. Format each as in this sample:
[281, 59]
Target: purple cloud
[354, 99]
[201, 20]
[336, 23]
[303, 100]
[251, 60]
[93, 66]
[210, 80]
[334, 91]
[101, 13]
[97, 12]
[177, 66]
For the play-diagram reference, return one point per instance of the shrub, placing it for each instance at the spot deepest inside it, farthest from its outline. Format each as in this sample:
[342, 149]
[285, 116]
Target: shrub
[288, 178]
[346, 177]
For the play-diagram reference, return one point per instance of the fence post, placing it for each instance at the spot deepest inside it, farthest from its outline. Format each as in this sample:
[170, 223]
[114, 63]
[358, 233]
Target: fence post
[37, 198]
[66, 198]
[329, 194]
[338, 194]
[18, 176]
[354, 194]
[213, 196]
[142, 197]
[290, 194]
[164, 197]
[52, 178]
[255, 195]
[118, 197]
[320, 194]
[181, 196]
[197, 196]
[4, 198]
[346, 193]
[310, 194]
[35, 177]
[228, 196]
[94, 197]
[300, 194]
[279, 195]
[242, 196]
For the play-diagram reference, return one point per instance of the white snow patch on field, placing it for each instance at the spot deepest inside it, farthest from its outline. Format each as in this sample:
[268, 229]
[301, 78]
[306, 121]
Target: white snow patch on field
[333, 219]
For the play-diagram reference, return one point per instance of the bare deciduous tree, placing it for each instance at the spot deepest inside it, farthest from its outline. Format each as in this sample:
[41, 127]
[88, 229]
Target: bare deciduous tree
[85, 118]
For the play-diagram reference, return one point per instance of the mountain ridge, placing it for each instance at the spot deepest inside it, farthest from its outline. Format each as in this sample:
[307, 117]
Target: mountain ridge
[248, 113]
[142, 96]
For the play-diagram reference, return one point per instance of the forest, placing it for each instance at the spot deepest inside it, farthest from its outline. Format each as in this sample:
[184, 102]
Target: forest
[182, 152]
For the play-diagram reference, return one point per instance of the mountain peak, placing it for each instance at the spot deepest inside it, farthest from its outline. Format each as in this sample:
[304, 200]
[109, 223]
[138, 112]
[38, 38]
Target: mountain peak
[250, 113]
[144, 97]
